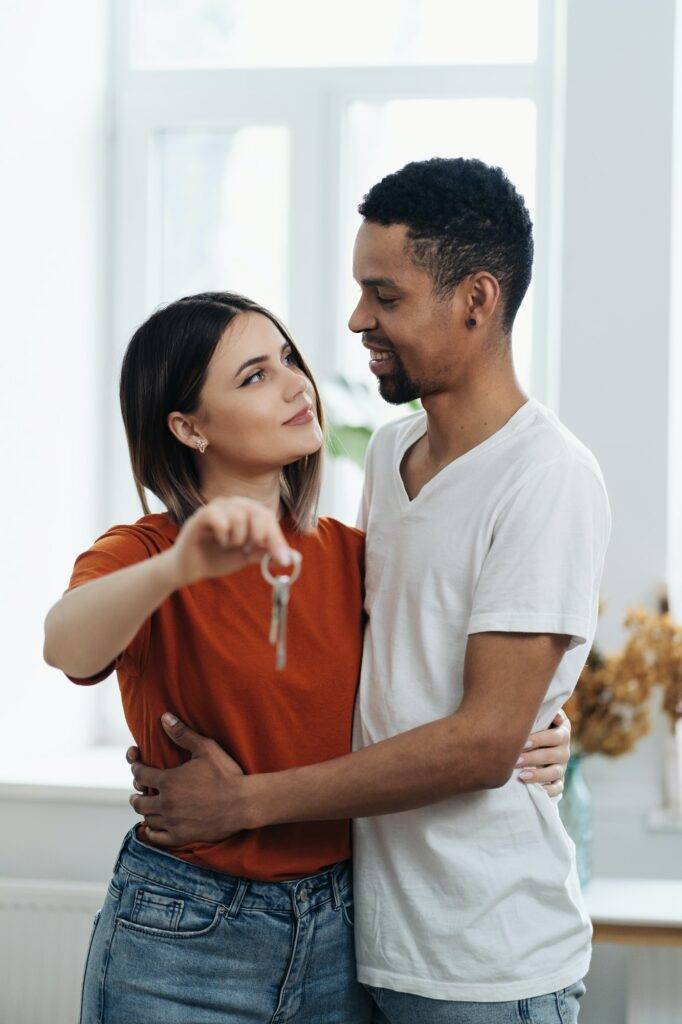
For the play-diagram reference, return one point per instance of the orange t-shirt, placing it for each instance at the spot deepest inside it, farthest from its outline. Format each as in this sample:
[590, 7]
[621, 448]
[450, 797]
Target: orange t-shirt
[204, 654]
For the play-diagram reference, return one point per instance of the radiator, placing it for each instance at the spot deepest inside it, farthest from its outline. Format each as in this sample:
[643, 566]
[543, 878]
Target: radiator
[44, 933]
[655, 986]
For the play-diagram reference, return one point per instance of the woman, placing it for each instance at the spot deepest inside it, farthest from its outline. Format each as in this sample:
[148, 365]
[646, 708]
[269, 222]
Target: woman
[225, 427]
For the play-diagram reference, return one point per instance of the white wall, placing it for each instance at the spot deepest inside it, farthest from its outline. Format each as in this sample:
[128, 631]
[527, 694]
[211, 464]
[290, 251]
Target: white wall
[53, 182]
[615, 318]
[613, 388]
[614, 376]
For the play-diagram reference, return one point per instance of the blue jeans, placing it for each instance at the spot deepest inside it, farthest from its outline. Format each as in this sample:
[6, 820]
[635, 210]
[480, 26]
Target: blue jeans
[179, 944]
[402, 1008]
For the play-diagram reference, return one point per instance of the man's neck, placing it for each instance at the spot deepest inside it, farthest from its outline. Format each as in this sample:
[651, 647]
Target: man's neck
[458, 421]
[463, 416]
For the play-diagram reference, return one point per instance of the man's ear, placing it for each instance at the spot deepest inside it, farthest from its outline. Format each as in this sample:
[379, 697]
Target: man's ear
[482, 297]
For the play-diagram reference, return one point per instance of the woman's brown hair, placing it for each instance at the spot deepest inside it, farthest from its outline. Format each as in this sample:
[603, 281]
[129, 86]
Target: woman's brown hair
[163, 371]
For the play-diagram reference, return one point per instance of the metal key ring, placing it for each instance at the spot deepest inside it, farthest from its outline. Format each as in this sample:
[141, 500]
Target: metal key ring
[297, 558]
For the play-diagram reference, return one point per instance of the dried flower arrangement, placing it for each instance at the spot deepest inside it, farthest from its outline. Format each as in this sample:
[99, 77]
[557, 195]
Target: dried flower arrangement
[610, 707]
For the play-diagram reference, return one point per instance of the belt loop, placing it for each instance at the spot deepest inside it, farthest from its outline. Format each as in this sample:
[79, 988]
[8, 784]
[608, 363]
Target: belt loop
[126, 842]
[237, 899]
[335, 888]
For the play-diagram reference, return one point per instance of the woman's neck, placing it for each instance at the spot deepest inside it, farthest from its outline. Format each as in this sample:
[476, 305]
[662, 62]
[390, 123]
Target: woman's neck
[263, 487]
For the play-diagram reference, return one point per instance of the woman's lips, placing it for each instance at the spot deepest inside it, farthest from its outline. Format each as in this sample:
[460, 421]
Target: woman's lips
[305, 416]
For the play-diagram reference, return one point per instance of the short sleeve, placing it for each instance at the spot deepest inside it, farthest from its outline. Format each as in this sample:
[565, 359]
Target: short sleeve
[118, 548]
[363, 511]
[543, 568]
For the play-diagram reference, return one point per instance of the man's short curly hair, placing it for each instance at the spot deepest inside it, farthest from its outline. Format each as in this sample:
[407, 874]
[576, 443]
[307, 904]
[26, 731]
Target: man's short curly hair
[461, 216]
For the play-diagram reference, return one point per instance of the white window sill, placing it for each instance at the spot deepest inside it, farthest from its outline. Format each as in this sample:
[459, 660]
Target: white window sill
[90, 775]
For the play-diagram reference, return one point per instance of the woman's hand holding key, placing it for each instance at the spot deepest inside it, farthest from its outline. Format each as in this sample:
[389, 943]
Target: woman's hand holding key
[225, 535]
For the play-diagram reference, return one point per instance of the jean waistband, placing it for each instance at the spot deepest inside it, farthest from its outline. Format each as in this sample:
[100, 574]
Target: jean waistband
[299, 894]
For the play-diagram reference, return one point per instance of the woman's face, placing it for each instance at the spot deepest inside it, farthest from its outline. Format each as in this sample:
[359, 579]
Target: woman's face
[258, 408]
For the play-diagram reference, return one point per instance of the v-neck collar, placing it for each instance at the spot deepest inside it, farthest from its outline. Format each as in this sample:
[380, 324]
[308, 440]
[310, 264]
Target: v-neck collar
[416, 429]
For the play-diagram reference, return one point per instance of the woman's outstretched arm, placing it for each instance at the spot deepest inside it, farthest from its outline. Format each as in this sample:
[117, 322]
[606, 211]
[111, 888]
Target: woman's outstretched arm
[90, 625]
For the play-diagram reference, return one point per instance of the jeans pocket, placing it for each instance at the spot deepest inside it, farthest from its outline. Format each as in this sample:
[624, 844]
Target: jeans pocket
[158, 910]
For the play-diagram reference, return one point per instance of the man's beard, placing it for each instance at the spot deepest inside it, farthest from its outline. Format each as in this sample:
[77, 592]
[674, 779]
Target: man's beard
[396, 387]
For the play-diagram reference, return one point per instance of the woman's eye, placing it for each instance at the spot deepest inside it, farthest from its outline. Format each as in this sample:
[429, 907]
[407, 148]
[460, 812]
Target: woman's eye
[290, 358]
[249, 380]
[386, 302]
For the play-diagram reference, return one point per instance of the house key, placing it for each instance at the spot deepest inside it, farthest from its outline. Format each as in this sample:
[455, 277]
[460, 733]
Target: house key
[280, 601]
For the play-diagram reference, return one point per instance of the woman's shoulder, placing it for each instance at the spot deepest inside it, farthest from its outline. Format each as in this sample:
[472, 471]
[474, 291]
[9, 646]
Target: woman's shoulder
[334, 528]
[333, 547]
[330, 538]
[122, 545]
[158, 526]
[154, 532]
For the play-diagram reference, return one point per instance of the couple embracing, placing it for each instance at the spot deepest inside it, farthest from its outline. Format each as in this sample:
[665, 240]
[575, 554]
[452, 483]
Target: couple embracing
[429, 653]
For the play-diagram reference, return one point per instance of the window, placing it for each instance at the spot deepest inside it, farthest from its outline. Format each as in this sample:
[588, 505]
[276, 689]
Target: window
[384, 135]
[222, 199]
[309, 34]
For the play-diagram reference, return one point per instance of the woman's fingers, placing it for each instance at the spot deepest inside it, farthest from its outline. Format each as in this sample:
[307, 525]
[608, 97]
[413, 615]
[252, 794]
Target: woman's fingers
[239, 527]
[541, 757]
[558, 734]
[547, 738]
[553, 773]
[215, 525]
[266, 534]
[249, 525]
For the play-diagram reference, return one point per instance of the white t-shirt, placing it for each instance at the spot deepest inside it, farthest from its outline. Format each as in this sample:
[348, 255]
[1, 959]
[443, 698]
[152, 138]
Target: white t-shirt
[475, 897]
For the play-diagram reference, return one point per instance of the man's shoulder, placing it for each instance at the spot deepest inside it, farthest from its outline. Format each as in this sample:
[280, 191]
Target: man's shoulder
[546, 442]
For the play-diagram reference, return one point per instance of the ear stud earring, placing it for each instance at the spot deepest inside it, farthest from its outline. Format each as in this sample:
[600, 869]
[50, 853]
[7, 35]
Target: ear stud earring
[202, 445]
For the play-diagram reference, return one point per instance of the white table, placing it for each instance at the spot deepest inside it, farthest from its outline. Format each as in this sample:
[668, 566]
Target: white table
[640, 912]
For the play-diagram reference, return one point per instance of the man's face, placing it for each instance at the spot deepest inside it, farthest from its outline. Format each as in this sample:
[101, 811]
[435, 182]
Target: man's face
[413, 336]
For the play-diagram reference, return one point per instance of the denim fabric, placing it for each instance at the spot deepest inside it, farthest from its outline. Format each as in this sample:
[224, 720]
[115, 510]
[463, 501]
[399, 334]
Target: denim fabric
[402, 1008]
[177, 944]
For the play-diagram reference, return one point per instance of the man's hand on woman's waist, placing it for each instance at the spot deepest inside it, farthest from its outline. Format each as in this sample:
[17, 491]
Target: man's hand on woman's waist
[208, 798]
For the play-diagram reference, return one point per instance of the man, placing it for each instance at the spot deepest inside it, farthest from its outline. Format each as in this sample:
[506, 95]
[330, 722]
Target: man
[487, 525]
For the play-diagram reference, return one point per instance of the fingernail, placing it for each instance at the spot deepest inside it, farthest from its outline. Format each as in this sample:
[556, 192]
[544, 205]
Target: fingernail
[526, 775]
[528, 744]
[283, 555]
[168, 718]
[520, 761]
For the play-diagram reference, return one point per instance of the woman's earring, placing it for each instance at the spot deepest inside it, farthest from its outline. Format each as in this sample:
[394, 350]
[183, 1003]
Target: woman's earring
[202, 445]
[471, 322]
